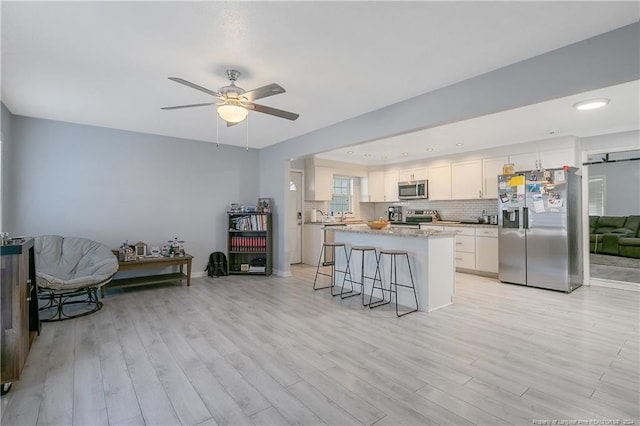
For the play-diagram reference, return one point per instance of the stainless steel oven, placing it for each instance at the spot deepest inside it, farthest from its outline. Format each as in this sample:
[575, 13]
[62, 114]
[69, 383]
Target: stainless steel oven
[413, 190]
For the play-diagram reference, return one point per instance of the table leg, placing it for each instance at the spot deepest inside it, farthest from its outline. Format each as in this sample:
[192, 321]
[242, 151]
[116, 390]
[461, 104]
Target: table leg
[188, 272]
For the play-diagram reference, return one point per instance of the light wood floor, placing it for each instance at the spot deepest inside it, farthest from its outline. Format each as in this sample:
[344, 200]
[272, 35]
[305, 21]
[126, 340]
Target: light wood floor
[271, 351]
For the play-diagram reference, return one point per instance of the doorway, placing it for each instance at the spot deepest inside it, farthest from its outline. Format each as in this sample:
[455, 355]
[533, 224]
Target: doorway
[613, 179]
[294, 225]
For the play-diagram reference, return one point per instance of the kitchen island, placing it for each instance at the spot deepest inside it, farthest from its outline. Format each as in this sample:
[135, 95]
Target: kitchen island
[431, 254]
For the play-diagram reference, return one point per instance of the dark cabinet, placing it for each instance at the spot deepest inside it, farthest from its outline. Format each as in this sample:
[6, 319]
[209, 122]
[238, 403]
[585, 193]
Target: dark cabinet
[19, 306]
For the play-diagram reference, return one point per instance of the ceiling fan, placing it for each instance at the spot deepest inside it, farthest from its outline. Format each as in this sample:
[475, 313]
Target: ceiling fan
[234, 102]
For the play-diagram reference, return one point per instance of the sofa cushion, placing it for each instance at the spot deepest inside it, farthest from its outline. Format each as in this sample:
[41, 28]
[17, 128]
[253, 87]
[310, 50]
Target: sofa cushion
[629, 247]
[609, 223]
[623, 231]
[633, 224]
[593, 223]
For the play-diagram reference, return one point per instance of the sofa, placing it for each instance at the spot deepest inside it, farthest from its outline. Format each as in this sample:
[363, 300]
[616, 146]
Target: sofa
[615, 235]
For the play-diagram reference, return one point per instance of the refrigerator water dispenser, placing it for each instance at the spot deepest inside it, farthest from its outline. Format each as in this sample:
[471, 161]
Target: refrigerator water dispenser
[511, 218]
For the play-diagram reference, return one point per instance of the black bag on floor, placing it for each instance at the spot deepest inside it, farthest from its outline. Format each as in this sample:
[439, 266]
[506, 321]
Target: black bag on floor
[217, 266]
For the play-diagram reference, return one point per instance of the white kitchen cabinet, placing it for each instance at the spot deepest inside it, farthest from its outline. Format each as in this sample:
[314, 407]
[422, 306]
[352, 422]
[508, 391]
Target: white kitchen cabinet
[487, 250]
[319, 183]
[391, 185]
[552, 159]
[376, 186]
[523, 162]
[558, 158]
[476, 247]
[467, 180]
[440, 182]
[491, 168]
[465, 246]
[408, 175]
[312, 239]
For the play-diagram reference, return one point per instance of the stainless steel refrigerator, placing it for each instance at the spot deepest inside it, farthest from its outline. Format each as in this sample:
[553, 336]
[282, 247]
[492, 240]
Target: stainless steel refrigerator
[539, 229]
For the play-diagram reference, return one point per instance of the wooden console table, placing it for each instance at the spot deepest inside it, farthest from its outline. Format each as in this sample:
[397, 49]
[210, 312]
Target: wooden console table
[152, 262]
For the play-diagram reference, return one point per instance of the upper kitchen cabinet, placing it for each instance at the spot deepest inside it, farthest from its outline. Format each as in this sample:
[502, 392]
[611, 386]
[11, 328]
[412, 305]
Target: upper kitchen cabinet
[408, 175]
[391, 185]
[558, 158]
[383, 186]
[491, 168]
[552, 159]
[318, 182]
[376, 186]
[439, 182]
[467, 180]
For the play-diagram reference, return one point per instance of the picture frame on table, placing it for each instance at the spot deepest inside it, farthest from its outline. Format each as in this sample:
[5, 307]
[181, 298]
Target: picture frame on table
[264, 205]
[140, 249]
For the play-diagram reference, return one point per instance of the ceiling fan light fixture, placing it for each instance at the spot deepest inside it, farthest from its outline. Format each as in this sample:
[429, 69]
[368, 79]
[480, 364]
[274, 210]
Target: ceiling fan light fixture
[591, 104]
[232, 113]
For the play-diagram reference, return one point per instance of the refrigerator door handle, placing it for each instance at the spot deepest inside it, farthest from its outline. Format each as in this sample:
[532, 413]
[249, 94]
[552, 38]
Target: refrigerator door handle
[525, 217]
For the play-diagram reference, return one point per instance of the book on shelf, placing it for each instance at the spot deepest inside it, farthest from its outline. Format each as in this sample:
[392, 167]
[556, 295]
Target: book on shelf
[248, 244]
[257, 269]
[254, 222]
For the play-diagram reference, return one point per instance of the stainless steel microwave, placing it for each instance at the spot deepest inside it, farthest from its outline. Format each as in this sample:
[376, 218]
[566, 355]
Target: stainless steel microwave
[413, 190]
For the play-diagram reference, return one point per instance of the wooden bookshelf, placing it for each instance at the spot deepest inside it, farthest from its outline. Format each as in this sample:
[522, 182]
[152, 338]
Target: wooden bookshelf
[249, 243]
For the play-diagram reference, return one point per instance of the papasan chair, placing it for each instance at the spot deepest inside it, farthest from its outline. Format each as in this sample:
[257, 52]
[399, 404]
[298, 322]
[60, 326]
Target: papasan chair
[69, 272]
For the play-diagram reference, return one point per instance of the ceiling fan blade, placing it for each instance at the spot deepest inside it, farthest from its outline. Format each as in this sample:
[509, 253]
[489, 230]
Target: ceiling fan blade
[274, 111]
[194, 86]
[188, 106]
[264, 91]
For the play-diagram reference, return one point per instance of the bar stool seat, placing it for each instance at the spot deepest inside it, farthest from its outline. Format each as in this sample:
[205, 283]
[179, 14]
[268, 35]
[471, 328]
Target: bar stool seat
[332, 272]
[393, 280]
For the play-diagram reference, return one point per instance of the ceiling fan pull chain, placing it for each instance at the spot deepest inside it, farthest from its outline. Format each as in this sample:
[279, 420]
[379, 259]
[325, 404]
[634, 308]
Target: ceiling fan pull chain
[217, 131]
[247, 120]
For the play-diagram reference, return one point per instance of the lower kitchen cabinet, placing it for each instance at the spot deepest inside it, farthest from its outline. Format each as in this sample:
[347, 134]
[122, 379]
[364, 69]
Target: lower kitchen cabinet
[487, 250]
[312, 238]
[465, 246]
[476, 248]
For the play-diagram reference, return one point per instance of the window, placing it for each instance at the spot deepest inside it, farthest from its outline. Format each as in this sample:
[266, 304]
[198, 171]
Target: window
[342, 195]
[596, 196]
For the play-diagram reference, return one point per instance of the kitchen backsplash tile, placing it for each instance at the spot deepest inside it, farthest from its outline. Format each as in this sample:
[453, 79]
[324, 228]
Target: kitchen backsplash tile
[448, 209]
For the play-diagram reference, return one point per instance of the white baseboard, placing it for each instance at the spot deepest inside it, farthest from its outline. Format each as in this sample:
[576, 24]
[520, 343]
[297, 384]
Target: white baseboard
[284, 274]
[198, 274]
[621, 285]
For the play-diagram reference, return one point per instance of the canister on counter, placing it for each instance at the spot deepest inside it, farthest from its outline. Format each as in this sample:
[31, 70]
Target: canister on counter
[508, 169]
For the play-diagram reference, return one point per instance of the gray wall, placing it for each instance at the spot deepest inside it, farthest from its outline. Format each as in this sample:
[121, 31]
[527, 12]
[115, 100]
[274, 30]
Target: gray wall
[112, 185]
[6, 121]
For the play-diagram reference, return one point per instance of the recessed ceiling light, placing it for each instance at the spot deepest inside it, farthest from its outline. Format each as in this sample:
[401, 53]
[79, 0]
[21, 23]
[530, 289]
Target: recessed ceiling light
[552, 132]
[591, 104]
[349, 152]
[459, 144]
[404, 154]
[367, 155]
[429, 149]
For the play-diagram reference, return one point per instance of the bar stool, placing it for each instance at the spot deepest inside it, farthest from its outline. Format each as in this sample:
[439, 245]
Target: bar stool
[364, 250]
[393, 280]
[333, 270]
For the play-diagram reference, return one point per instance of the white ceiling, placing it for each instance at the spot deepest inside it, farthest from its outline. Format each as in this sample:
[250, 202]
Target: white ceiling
[106, 63]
